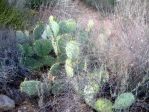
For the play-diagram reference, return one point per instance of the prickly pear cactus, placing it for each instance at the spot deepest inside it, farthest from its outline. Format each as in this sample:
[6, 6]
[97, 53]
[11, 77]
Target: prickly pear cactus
[67, 26]
[37, 55]
[103, 105]
[22, 37]
[72, 50]
[31, 63]
[54, 26]
[69, 67]
[59, 43]
[47, 32]
[62, 41]
[46, 60]
[55, 69]
[30, 87]
[124, 101]
[42, 47]
[93, 88]
[38, 31]
[27, 50]
[61, 58]
[89, 92]
[55, 45]
[52, 29]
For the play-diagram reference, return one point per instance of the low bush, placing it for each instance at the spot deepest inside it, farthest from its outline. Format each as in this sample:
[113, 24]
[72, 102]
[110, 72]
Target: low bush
[11, 17]
[35, 4]
[101, 4]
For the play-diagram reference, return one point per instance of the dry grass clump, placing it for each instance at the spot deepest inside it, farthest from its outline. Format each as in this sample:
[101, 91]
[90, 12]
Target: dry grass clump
[63, 9]
[122, 44]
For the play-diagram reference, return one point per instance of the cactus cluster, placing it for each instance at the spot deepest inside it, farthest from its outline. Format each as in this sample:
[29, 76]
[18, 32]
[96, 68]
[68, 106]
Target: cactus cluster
[96, 80]
[36, 47]
[33, 88]
[123, 101]
[35, 50]
[57, 37]
[64, 44]
[54, 36]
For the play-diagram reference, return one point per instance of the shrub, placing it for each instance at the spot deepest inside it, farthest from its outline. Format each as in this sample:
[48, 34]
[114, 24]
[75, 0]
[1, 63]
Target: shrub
[11, 17]
[35, 4]
[101, 4]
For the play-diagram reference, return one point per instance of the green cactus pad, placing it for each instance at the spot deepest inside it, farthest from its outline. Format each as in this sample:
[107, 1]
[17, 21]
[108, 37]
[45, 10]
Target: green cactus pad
[46, 60]
[62, 41]
[55, 45]
[39, 62]
[93, 88]
[124, 101]
[38, 31]
[42, 47]
[59, 44]
[30, 87]
[61, 58]
[55, 69]
[27, 50]
[47, 32]
[54, 26]
[20, 48]
[69, 67]
[72, 50]
[89, 92]
[31, 63]
[103, 105]
[21, 37]
[67, 26]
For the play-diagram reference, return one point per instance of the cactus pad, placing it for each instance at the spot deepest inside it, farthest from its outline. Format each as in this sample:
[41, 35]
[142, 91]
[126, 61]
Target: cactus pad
[42, 47]
[124, 101]
[72, 50]
[103, 105]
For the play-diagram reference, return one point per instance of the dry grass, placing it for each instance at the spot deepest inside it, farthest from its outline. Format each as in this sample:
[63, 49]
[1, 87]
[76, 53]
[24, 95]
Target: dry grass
[64, 9]
[123, 46]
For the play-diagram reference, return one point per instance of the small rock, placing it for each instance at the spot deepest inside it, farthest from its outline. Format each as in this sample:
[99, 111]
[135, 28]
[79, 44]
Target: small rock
[6, 103]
